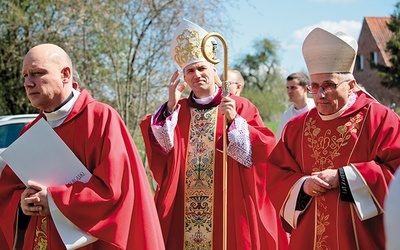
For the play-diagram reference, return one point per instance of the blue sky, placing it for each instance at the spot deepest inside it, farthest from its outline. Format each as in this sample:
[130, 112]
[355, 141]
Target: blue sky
[289, 21]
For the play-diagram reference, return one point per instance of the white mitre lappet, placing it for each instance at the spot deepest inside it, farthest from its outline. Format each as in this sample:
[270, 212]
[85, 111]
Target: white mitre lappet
[325, 52]
[185, 47]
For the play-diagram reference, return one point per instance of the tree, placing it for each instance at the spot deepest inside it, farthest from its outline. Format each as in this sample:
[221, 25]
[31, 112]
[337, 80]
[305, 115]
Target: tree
[22, 25]
[120, 48]
[265, 86]
[390, 74]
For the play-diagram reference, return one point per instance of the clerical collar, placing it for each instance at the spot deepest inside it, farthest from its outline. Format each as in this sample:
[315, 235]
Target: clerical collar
[64, 102]
[206, 100]
[217, 97]
[56, 117]
[352, 99]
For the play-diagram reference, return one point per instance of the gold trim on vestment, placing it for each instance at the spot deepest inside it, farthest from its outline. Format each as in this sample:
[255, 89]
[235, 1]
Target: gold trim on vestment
[199, 181]
[326, 145]
[40, 240]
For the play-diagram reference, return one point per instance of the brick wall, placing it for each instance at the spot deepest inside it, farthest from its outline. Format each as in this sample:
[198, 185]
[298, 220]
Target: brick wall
[368, 77]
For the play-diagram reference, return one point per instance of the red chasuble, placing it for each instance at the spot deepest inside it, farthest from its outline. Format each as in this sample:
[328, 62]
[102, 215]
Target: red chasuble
[252, 220]
[116, 205]
[365, 136]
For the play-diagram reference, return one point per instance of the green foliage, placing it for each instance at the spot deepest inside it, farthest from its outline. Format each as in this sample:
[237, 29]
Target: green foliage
[272, 125]
[390, 75]
[264, 84]
[119, 48]
[22, 25]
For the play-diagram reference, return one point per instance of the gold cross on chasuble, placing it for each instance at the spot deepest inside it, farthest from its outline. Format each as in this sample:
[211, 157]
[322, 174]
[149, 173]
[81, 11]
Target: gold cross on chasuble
[199, 184]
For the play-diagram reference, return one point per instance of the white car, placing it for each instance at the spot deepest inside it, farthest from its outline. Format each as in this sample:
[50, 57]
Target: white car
[10, 127]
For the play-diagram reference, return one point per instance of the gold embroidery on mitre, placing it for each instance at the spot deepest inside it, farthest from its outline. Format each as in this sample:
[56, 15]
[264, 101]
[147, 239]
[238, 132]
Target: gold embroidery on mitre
[189, 47]
[199, 184]
[325, 148]
[40, 241]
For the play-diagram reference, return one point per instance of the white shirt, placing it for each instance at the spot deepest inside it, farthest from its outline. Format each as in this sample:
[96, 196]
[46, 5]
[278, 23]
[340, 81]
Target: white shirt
[290, 113]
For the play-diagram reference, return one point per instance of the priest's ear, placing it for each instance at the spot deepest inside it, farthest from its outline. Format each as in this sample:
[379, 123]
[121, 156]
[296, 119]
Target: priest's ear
[353, 85]
[66, 75]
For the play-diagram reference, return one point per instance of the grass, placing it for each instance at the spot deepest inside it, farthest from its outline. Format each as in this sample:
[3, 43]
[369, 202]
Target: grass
[272, 125]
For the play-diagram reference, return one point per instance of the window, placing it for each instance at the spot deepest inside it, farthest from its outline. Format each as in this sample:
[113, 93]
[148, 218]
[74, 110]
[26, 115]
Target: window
[9, 133]
[374, 58]
[360, 62]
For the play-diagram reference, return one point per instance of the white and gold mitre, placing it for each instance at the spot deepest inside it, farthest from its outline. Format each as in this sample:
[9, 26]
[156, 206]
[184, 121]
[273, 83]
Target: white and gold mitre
[325, 52]
[185, 47]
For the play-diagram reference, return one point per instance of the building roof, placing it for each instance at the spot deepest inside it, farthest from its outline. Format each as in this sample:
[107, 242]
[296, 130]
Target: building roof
[381, 34]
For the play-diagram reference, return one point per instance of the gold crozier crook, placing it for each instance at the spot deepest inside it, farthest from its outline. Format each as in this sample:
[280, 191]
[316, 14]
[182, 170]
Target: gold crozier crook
[225, 89]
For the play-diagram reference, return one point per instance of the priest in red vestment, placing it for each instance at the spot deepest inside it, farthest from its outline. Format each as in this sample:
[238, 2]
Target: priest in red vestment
[183, 144]
[115, 208]
[329, 173]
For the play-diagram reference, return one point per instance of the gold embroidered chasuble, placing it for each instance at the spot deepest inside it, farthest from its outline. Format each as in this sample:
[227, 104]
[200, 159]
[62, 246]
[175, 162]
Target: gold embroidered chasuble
[358, 138]
[327, 146]
[40, 240]
[199, 185]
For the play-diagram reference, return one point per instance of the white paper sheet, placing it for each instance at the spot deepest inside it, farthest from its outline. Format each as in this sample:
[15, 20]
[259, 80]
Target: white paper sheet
[42, 156]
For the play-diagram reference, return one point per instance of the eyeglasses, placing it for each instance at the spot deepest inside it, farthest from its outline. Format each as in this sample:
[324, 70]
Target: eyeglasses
[326, 87]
